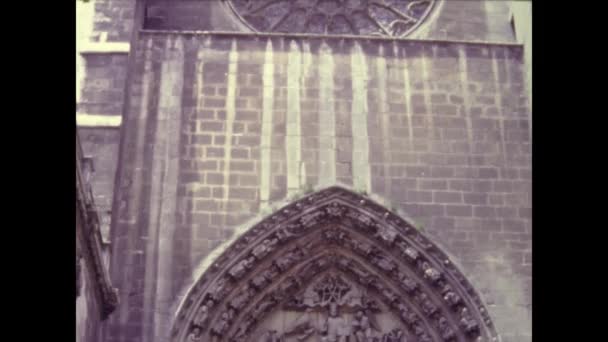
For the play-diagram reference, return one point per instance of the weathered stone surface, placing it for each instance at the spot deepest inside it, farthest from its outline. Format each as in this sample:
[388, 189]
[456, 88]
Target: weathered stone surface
[446, 135]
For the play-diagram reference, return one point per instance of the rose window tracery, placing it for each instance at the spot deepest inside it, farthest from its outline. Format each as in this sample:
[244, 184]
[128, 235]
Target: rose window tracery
[393, 18]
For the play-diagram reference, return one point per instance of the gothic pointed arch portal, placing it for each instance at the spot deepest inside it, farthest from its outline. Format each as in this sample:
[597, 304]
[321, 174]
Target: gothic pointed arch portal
[333, 266]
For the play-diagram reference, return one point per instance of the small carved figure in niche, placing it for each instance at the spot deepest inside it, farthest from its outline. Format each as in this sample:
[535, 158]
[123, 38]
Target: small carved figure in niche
[447, 333]
[467, 322]
[424, 337]
[361, 247]
[408, 284]
[406, 314]
[334, 235]
[221, 326]
[408, 252]
[270, 336]
[311, 219]
[335, 328]
[263, 249]
[260, 280]
[418, 327]
[363, 328]
[452, 298]
[263, 307]
[362, 220]
[335, 210]
[388, 295]
[217, 291]
[369, 304]
[284, 235]
[237, 271]
[429, 272]
[195, 334]
[289, 259]
[241, 298]
[203, 314]
[302, 327]
[243, 330]
[384, 263]
[395, 335]
[386, 234]
[289, 285]
[427, 305]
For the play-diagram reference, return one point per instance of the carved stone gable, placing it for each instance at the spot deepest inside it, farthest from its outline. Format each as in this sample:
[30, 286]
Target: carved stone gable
[333, 266]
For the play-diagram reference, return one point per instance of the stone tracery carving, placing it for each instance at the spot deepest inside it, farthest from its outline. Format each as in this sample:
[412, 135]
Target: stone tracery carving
[359, 266]
[396, 18]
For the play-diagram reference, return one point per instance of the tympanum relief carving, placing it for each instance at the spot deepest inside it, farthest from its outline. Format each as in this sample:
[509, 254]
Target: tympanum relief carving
[333, 266]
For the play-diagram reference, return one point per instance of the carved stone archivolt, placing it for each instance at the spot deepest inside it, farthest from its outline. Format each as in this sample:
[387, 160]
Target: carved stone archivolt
[394, 18]
[333, 266]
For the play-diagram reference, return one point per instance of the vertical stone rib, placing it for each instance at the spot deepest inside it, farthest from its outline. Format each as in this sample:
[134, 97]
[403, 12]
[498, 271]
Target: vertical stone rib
[498, 99]
[168, 199]
[230, 114]
[134, 204]
[266, 141]
[292, 120]
[168, 109]
[464, 81]
[426, 86]
[359, 112]
[306, 64]
[327, 118]
[407, 89]
[198, 88]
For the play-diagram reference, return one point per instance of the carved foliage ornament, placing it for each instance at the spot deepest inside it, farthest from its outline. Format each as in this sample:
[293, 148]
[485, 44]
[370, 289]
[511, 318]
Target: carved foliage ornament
[393, 18]
[332, 254]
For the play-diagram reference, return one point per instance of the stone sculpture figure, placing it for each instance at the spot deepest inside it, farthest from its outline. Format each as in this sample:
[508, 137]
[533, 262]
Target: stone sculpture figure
[451, 298]
[428, 306]
[283, 235]
[335, 328]
[386, 234]
[289, 259]
[270, 336]
[195, 335]
[408, 252]
[430, 272]
[203, 314]
[384, 263]
[302, 328]
[219, 289]
[395, 335]
[444, 328]
[362, 328]
[220, 327]
[241, 298]
[467, 322]
[264, 306]
[237, 271]
[260, 280]
[408, 284]
[265, 248]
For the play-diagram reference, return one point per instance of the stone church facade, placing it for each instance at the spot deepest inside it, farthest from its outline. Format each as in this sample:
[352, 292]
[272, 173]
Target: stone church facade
[330, 170]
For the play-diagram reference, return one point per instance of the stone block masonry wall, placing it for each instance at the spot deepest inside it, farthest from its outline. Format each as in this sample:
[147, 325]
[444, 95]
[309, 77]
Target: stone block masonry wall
[113, 20]
[101, 144]
[104, 84]
[221, 126]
